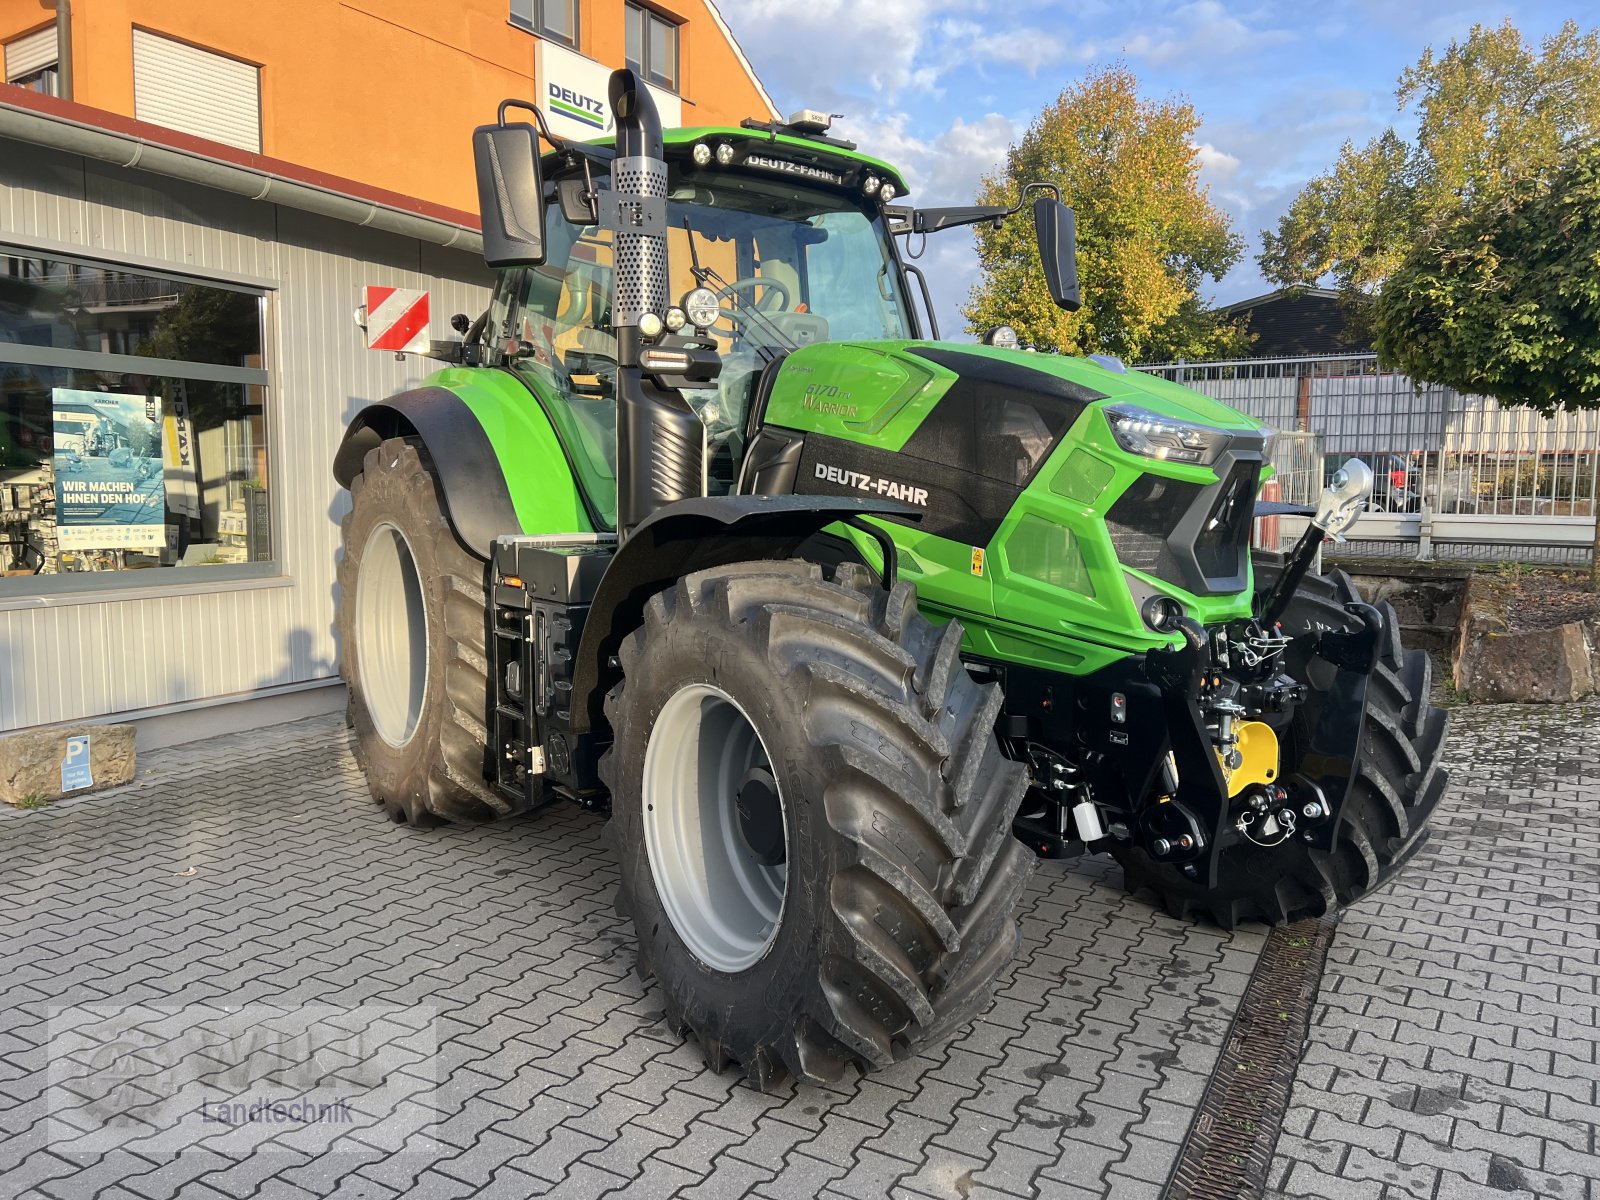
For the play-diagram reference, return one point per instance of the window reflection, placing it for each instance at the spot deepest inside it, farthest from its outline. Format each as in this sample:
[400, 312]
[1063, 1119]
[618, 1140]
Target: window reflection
[112, 457]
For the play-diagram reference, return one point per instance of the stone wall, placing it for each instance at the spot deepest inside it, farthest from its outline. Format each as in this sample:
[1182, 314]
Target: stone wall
[1495, 664]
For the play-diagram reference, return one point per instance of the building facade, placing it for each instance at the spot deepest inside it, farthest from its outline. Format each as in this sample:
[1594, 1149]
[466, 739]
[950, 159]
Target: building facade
[178, 357]
[383, 92]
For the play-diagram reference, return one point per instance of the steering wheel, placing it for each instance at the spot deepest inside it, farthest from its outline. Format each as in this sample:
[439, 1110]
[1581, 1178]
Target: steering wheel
[775, 300]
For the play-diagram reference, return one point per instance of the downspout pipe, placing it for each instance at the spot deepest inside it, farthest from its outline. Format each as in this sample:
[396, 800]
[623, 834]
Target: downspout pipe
[661, 442]
[64, 48]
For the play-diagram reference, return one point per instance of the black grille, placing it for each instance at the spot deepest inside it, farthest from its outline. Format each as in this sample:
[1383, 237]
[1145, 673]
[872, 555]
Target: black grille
[1225, 537]
[1144, 518]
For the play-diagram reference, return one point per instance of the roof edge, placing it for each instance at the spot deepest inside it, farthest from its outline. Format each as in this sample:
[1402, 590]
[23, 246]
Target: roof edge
[738, 50]
[1293, 292]
[74, 128]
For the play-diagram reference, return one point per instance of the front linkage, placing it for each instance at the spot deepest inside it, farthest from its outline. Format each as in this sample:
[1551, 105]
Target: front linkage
[1238, 734]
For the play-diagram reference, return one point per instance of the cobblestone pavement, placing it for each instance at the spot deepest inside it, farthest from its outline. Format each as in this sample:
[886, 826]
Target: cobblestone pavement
[248, 873]
[1454, 1049]
[510, 1049]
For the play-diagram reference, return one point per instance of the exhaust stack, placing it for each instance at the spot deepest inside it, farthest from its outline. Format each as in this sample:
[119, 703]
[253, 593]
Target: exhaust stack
[660, 441]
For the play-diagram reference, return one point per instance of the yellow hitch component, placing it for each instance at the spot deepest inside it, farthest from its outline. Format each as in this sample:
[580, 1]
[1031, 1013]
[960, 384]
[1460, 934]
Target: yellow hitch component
[1258, 758]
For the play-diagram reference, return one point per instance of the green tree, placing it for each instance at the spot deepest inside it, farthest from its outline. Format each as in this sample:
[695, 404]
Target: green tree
[1502, 299]
[1491, 111]
[1148, 234]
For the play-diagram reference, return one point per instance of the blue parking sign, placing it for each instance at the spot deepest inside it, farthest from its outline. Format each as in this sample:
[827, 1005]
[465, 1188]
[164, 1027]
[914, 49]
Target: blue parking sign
[75, 773]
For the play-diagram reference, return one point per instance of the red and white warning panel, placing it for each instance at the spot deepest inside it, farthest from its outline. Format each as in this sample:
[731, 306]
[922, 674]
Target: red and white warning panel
[397, 319]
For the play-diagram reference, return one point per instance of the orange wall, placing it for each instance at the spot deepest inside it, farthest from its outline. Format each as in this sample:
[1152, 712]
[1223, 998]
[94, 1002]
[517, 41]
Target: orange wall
[385, 92]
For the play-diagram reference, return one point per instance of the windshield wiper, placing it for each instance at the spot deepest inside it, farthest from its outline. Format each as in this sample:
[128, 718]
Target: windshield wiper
[703, 275]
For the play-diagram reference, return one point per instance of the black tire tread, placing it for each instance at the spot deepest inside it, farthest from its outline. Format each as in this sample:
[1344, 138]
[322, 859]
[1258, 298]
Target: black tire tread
[448, 783]
[952, 872]
[1399, 781]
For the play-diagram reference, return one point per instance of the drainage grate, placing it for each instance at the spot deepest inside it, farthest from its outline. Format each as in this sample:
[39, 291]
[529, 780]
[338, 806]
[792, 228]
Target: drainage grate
[1230, 1144]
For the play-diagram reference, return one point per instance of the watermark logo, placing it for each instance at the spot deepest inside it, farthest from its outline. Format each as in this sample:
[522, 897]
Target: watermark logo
[158, 1079]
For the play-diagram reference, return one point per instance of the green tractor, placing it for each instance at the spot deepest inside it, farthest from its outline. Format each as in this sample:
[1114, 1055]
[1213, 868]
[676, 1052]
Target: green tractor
[842, 625]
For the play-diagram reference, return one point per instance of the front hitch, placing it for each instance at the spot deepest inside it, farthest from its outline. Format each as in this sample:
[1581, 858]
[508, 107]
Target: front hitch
[1185, 827]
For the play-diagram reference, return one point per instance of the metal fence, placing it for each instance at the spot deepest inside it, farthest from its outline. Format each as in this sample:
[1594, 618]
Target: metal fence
[1457, 476]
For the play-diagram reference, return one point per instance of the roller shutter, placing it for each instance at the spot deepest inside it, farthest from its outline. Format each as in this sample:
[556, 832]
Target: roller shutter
[32, 53]
[195, 91]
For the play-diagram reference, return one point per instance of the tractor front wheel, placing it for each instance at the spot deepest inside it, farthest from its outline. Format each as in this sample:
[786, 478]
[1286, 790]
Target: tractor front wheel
[813, 820]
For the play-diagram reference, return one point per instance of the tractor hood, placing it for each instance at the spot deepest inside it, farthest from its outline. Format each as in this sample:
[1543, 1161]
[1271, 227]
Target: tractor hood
[878, 393]
[1024, 475]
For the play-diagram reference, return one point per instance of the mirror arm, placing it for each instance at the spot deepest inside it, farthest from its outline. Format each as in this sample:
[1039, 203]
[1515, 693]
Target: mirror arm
[558, 143]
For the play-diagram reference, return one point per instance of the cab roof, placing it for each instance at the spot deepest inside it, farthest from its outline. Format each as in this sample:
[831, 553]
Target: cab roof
[827, 154]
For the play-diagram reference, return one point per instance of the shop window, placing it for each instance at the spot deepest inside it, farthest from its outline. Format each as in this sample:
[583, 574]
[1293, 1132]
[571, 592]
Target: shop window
[133, 427]
[553, 19]
[652, 48]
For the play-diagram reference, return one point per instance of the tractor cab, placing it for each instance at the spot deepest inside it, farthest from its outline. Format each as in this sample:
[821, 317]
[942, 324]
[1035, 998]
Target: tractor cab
[760, 262]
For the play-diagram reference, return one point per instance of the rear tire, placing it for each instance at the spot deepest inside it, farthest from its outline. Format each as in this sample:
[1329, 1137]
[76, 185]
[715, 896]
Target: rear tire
[893, 910]
[1398, 784]
[412, 628]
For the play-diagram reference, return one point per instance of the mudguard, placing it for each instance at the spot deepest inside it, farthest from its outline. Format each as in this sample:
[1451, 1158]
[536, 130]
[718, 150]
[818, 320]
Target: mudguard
[679, 539]
[477, 500]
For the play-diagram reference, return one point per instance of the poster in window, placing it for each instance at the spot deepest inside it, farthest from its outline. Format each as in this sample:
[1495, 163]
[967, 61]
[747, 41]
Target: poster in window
[110, 494]
[183, 493]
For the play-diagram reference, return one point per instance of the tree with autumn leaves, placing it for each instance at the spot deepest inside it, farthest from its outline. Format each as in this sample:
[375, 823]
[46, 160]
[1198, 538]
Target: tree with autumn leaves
[1473, 252]
[1148, 234]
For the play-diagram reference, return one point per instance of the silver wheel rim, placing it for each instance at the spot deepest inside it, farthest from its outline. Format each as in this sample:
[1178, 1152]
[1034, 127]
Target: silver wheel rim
[391, 635]
[724, 903]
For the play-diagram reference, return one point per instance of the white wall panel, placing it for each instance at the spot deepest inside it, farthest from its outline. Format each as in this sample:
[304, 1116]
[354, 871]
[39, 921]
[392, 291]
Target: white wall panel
[60, 662]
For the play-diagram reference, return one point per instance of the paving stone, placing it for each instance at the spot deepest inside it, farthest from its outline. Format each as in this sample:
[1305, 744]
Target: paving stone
[1456, 1029]
[1477, 961]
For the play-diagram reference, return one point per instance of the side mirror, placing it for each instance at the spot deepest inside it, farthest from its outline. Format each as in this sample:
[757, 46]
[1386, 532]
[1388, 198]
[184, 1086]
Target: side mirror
[1058, 250]
[510, 194]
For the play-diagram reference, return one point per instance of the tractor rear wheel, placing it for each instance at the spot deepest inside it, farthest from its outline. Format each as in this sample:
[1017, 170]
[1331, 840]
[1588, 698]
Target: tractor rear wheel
[412, 628]
[1398, 784]
[813, 820]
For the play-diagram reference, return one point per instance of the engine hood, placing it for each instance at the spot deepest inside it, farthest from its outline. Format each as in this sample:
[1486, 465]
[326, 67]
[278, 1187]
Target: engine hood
[872, 391]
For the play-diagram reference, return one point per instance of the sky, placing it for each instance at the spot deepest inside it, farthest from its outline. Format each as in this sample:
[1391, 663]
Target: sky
[941, 88]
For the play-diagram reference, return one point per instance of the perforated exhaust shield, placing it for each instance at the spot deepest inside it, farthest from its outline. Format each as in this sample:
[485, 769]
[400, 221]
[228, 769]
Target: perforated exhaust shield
[641, 258]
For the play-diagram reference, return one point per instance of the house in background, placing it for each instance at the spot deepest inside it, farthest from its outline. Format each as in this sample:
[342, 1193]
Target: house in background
[1298, 322]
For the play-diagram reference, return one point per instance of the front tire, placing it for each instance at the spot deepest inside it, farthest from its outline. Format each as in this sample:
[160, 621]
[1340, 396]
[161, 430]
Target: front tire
[812, 818]
[1399, 782]
[412, 628]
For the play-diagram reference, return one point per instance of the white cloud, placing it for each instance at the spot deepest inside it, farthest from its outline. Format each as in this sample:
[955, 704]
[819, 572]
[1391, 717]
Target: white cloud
[1216, 166]
[1204, 32]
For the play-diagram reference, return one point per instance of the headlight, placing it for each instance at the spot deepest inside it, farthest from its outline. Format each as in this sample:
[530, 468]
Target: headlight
[724, 154]
[1140, 431]
[702, 307]
[1002, 336]
[702, 154]
[1162, 613]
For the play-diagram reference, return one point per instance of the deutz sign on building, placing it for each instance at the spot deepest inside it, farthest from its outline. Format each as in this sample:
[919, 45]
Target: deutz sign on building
[572, 93]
